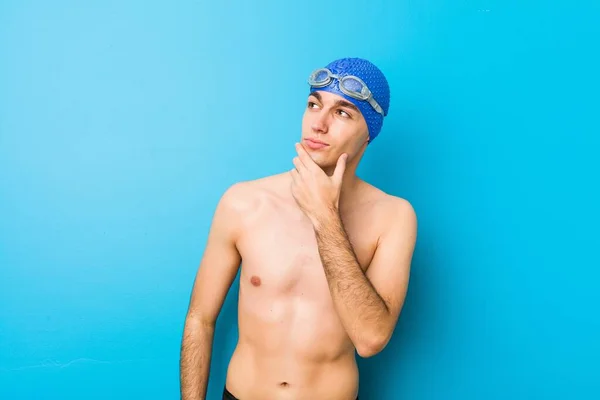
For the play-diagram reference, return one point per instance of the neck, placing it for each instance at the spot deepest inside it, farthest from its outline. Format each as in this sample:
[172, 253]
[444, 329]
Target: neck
[349, 188]
[350, 183]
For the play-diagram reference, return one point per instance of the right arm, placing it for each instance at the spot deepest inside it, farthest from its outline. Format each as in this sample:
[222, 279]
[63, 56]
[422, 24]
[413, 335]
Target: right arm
[217, 270]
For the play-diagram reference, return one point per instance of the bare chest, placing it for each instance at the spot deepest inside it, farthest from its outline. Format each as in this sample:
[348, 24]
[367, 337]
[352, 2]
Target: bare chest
[280, 254]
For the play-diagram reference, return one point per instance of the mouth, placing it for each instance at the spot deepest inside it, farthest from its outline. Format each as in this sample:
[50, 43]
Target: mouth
[315, 144]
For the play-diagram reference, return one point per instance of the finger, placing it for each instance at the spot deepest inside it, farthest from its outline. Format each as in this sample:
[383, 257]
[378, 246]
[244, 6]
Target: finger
[306, 159]
[340, 167]
[294, 174]
[300, 167]
[295, 181]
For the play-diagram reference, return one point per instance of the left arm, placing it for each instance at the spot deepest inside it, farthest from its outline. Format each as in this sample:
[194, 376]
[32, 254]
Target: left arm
[368, 304]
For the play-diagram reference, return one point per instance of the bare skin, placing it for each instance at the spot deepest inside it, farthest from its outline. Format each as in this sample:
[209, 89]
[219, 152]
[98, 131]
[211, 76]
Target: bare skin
[326, 261]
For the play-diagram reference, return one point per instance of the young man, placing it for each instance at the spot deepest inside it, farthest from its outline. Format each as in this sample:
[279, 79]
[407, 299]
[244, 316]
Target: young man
[326, 257]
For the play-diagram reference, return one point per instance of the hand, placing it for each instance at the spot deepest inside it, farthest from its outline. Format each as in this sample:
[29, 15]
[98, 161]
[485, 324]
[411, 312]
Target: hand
[315, 192]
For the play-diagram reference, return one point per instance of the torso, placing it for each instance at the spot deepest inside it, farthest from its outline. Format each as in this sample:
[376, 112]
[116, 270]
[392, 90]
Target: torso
[292, 344]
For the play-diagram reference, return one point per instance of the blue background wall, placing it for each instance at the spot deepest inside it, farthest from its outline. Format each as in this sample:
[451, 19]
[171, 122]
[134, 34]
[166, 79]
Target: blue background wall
[121, 124]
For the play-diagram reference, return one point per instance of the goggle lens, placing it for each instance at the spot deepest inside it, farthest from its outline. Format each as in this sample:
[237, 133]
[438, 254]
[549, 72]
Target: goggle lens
[321, 77]
[353, 87]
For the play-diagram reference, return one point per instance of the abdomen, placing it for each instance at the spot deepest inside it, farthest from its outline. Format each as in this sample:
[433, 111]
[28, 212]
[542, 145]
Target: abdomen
[293, 324]
[294, 347]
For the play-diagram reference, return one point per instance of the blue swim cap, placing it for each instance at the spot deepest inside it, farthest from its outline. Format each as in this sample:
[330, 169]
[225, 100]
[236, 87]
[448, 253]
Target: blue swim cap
[375, 81]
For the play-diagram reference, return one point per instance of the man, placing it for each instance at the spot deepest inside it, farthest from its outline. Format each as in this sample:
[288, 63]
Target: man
[326, 257]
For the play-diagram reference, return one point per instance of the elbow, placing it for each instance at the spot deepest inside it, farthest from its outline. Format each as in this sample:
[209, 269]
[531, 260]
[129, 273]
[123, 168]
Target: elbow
[372, 345]
[198, 324]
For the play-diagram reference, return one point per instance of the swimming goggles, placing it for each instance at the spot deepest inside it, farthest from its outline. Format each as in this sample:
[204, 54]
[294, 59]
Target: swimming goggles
[350, 85]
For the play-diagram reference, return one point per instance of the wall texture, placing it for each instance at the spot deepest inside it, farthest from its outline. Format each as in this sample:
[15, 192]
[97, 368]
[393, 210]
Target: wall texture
[121, 124]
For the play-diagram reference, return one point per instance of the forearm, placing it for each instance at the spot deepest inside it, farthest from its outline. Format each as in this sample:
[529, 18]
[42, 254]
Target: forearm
[196, 351]
[362, 311]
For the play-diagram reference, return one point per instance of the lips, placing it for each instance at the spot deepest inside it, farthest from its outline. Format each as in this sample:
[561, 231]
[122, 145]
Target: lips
[315, 144]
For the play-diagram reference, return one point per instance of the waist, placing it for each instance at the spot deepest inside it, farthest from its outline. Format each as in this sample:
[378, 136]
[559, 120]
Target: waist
[255, 373]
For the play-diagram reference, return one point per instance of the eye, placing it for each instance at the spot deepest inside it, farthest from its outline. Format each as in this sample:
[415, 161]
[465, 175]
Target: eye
[344, 114]
[312, 104]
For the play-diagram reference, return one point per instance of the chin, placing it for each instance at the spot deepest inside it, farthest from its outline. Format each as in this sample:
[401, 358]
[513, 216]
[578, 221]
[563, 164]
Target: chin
[323, 162]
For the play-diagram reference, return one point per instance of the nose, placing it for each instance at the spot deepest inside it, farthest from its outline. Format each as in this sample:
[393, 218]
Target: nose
[319, 123]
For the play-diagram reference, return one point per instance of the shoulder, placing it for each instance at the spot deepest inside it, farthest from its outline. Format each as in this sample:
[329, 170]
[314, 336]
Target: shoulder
[400, 220]
[396, 231]
[394, 212]
[401, 209]
[245, 196]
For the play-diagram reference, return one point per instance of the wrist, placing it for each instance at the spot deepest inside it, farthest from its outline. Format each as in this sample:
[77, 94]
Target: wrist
[325, 218]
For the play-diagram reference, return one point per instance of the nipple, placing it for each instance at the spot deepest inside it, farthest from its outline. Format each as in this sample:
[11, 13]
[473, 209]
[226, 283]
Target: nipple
[255, 281]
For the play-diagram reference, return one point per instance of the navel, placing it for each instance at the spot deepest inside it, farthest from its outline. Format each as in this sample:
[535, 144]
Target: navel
[255, 281]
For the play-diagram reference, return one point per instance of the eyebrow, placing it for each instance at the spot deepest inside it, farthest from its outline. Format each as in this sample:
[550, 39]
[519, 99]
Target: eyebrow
[338, 103]
[344, 103]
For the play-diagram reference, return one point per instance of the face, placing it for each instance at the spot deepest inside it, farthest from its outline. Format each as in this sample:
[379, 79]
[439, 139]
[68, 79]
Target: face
[331, 126]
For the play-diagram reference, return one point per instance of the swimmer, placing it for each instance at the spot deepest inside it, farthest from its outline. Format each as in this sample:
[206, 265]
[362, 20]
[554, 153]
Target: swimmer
[326, 257]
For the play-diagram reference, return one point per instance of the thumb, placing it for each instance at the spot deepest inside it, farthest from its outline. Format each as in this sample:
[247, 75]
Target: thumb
[340, 167]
